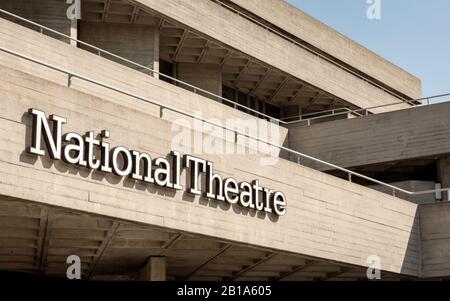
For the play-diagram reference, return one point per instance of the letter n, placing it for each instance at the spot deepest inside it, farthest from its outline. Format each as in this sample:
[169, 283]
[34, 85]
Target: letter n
[41, 128]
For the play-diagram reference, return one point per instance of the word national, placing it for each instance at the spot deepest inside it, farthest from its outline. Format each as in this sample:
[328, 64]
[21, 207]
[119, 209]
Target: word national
[97, 154]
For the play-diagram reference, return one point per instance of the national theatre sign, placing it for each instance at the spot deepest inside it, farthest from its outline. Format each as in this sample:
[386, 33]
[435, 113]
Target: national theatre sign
[95, 153]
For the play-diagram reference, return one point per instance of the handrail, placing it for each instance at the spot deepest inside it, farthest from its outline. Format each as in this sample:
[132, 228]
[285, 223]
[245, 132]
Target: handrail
[322, 112]
[307, 48]
[236, 132]
[356, 111]
[99, 50]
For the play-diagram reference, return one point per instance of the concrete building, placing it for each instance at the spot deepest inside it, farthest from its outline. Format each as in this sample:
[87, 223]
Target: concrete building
[349, 174]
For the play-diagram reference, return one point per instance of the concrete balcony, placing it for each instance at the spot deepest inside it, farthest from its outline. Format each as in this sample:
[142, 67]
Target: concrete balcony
[411, 144]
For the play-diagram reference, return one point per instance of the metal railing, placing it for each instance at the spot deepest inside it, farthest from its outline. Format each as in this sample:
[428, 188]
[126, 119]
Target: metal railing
[300, 156]
[100, 51]
[358, 112]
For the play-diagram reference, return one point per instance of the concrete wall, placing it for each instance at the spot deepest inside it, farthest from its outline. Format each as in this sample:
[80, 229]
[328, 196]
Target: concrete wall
[227, 27]
[138, 43]
[205, 76]
[435, 239]
[50, 13]
[327, 217]
[405, 134]
[294, 21]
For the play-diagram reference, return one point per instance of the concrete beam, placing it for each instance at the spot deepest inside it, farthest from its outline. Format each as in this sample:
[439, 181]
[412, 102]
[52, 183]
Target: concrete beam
[209, 260]
[256, 263]
[295, 269]
[154, 269]
[101, 249]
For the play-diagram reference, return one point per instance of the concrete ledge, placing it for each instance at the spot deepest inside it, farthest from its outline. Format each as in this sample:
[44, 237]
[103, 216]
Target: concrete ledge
[405, 134]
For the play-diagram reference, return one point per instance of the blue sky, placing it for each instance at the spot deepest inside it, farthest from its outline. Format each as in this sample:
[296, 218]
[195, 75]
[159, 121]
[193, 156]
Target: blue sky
[413, 34]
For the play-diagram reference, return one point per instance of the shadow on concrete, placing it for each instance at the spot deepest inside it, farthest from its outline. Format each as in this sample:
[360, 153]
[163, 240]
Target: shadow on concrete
[412, 259]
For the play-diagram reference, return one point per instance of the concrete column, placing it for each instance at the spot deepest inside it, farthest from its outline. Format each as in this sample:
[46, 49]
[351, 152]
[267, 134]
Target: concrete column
[443, 169]
[156, 52]
[154, 269]
[290, 111]
[131, 41]
[205, 76]
[50, 13]
[444, 172]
